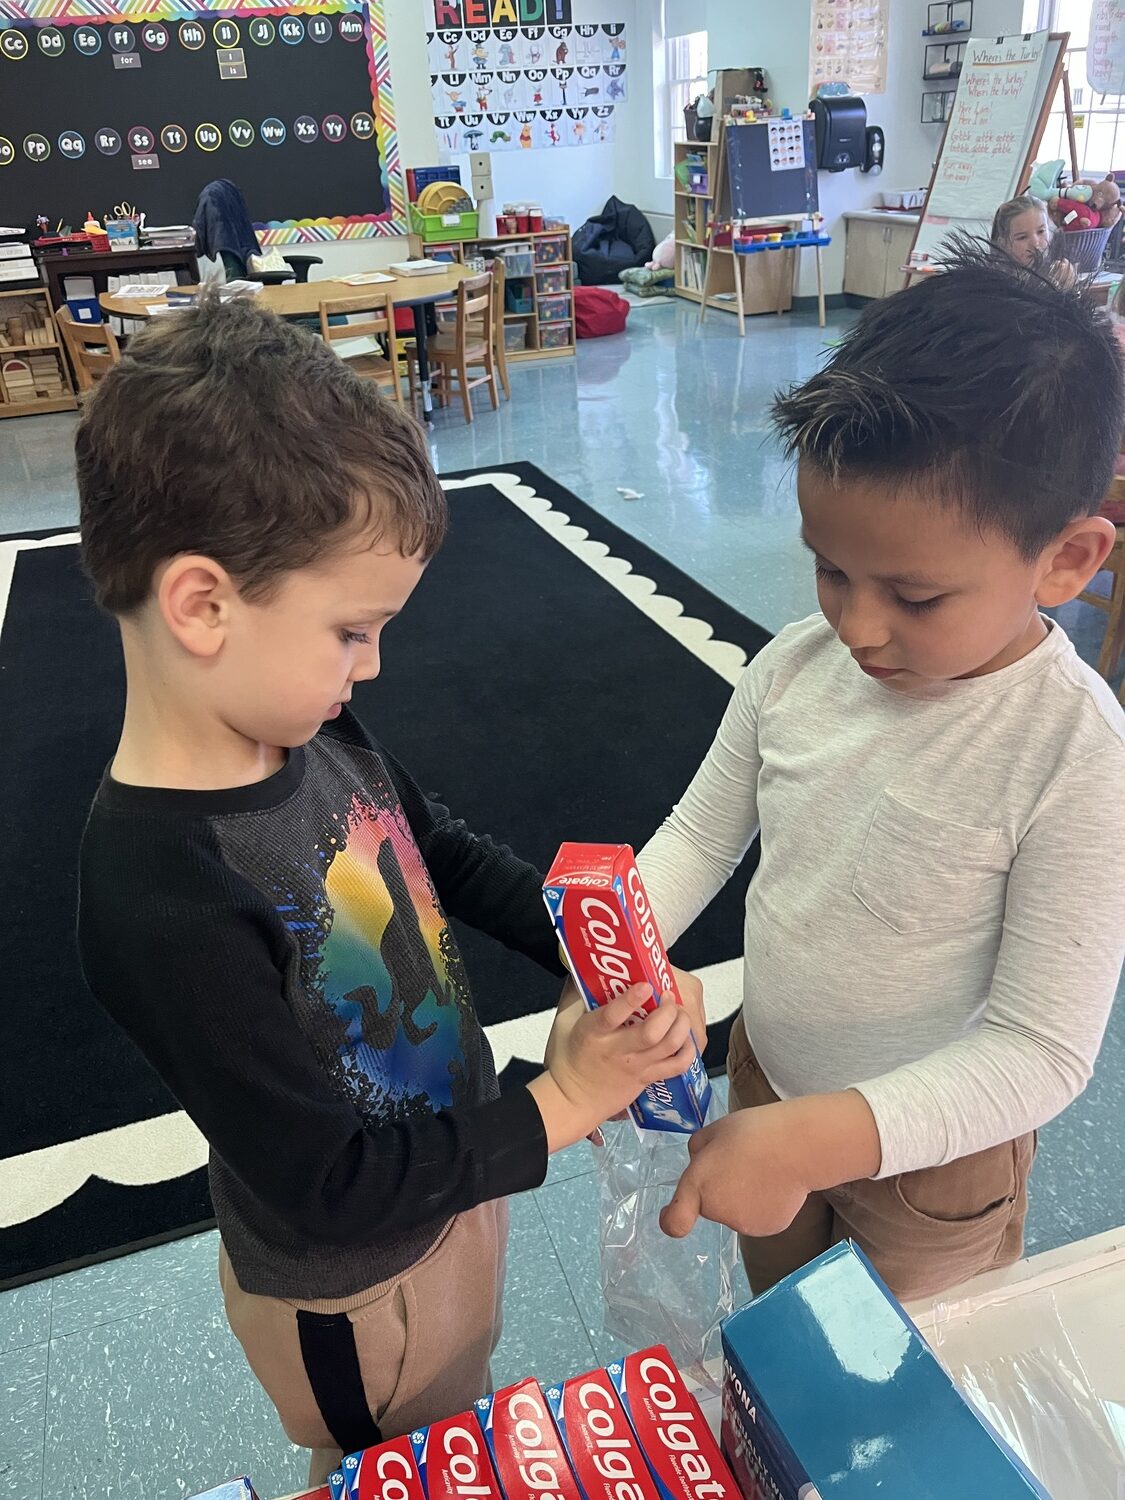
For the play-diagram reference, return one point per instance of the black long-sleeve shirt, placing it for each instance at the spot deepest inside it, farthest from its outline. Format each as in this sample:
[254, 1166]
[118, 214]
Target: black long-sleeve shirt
[281, 954]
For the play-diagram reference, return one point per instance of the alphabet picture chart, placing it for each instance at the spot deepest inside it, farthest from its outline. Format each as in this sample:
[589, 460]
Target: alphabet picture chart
[565, 78]
[290, 101]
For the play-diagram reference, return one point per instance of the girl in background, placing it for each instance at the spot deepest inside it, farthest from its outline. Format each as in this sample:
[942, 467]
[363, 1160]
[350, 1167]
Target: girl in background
[1022, 230]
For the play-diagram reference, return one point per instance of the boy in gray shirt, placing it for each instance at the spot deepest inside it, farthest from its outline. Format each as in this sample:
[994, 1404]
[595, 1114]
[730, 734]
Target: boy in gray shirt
[935, 931]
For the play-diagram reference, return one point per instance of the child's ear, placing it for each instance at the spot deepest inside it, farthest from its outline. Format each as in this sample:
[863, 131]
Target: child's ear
[1072, 559]
[194, 595]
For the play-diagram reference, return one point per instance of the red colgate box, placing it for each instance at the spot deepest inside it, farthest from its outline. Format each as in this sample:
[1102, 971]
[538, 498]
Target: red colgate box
[607, 929]
[453, 1460]
[682, 1453]
[524, 1444]
[599, 1442]
[387, 1472]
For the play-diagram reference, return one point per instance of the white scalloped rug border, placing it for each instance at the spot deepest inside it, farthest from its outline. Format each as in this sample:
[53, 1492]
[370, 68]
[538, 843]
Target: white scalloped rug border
[169, 1146]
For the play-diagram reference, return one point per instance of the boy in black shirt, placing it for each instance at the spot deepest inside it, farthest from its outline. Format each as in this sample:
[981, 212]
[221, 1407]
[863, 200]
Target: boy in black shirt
[264, 888]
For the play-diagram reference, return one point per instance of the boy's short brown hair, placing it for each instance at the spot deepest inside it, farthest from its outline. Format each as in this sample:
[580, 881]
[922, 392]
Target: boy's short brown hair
[229, 432]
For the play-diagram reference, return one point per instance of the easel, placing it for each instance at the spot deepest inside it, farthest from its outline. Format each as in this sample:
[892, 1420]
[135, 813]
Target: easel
[1059, 75]
[720, 195]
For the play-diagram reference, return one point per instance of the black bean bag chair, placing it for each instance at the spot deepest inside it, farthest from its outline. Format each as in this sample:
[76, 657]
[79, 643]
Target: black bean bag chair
[611, 242]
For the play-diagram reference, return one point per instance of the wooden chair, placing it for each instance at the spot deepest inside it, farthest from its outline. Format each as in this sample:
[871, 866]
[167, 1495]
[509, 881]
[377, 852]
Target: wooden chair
[374, 319]
[468, 345]
[1113, 603]
[92, 347]
[499, 276]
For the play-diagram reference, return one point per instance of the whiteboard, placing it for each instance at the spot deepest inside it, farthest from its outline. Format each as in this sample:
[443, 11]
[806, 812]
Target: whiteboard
[1000, 95]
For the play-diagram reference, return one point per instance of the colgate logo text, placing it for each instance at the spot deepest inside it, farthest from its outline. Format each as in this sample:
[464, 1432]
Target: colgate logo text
[540, 1458]
[677, 1428]
[462, 1450]
[613, 1445]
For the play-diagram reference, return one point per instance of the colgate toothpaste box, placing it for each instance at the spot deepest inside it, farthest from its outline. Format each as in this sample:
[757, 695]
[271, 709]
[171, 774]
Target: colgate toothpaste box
[831, 1393]
[453, 1460]
[682, 1453]
[607, 929]
[387, 1472]
[599, 1442]
[524, 1445]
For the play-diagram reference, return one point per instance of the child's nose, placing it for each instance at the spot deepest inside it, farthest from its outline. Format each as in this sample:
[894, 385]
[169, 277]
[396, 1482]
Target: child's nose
[862, 626]
[369, 667]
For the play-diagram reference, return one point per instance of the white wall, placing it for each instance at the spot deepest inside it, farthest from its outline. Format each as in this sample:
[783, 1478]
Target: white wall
[572, 181]
[774, 34]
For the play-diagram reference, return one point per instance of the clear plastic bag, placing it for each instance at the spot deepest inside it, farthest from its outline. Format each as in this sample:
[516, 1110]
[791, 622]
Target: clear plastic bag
[659, 1290]
[1042, 1402]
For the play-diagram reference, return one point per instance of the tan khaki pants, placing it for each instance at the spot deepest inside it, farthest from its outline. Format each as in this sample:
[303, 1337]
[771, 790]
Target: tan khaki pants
[923, 1231]
[344, 1374]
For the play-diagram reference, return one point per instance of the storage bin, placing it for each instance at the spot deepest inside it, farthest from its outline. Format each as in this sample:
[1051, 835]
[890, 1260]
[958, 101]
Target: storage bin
[554, 309]
[518, 260]
[549, 282]
[517, 296]
[550, 250]
[515, 337]
[554, 335]
[444, 226]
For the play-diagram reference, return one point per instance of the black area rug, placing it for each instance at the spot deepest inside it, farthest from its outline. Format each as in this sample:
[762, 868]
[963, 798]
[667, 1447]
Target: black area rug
[539, 702]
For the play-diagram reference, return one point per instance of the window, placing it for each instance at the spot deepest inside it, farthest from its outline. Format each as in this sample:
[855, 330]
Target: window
[1099, 119]
[685, 77]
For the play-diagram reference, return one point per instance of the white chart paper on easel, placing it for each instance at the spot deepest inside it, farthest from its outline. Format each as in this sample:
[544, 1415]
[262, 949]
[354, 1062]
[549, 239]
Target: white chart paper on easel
[1105, 54]
[999, 97]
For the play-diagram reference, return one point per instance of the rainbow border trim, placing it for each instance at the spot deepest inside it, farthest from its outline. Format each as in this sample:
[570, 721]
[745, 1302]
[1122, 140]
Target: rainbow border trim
[393, 220]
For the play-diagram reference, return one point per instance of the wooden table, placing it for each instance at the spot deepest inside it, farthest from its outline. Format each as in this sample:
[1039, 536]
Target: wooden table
[296, 299]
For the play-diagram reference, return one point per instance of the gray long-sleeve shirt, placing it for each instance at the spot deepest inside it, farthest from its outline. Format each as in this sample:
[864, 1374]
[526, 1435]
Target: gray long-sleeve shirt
[938, 918]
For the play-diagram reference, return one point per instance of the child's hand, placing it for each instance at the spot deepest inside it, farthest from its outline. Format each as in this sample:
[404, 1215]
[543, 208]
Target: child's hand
[598, 1064]
[741, 1174]
[754, 1169]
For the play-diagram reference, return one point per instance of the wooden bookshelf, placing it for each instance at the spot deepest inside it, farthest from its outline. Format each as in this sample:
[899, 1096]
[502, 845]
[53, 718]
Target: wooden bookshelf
[26, 393]
[692, 219]
[463, 250]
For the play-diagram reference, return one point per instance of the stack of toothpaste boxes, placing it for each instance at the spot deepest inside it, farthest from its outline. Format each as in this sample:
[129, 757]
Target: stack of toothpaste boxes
[630, 1432]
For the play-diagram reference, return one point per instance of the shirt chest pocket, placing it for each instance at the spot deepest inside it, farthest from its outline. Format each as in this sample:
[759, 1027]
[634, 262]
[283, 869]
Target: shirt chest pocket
[918, 873]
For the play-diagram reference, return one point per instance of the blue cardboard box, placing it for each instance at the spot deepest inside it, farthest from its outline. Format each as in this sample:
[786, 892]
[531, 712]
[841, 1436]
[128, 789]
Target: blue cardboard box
[831, 1393]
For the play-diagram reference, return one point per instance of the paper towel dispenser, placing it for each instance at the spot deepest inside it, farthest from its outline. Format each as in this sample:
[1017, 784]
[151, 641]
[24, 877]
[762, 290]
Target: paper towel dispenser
[841, 131]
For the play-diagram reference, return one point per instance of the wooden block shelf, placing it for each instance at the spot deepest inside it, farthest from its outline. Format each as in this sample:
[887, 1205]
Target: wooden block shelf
[34, 376]
[543, 334]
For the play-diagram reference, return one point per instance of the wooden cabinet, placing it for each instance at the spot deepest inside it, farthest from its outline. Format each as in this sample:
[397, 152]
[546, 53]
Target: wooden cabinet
[876, 252]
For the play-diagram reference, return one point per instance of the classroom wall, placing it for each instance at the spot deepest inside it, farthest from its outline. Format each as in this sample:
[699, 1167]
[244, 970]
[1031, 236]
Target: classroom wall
[776, 36]
[574, 182]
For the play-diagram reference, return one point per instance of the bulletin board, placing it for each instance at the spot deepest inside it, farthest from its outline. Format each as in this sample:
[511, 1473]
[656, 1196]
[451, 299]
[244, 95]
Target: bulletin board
[771, 169]
[144, 104]
[999, 114]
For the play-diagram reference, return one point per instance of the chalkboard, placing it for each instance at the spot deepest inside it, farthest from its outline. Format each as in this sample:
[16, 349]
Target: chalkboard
[771, 169]
[97, 110]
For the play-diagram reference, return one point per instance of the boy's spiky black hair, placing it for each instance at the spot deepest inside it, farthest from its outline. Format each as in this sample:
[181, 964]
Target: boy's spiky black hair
[984, 386]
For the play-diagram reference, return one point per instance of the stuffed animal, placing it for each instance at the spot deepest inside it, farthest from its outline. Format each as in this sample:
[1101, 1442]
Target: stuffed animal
[1081, 192]
[1106, 198]
[1071, 213]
